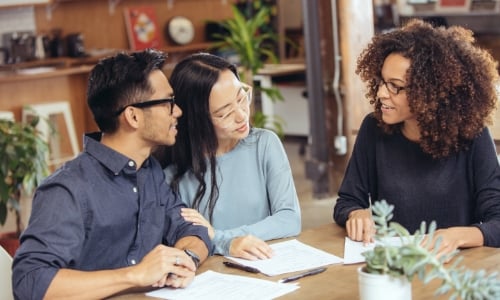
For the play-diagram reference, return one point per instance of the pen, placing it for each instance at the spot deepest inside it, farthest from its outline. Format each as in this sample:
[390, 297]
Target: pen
[301, 275]
[240, 267]
[370, 207]
[370, 201]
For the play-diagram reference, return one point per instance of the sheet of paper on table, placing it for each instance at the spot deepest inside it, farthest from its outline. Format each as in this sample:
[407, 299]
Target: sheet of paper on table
[291, 256]
[217, 286]
[353, 250]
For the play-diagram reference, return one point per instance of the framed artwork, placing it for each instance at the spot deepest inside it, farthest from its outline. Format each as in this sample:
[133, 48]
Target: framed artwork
[142, 27]
[57, 128]
[7, 115]
[453, 6]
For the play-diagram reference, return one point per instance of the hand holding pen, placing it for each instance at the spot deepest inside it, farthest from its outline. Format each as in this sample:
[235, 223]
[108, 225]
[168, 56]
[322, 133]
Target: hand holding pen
[360, 225]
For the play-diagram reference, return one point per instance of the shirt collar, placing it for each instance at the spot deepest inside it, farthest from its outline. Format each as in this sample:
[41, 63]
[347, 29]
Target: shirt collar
[111, 159]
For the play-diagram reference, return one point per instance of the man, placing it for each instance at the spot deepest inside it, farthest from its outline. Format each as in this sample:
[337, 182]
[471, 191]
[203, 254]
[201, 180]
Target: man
[107, 222]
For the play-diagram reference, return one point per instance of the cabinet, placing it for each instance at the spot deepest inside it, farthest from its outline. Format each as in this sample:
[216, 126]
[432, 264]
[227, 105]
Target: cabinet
[294, 109]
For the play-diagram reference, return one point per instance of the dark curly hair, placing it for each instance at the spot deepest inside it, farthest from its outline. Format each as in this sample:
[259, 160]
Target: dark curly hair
[450, 83]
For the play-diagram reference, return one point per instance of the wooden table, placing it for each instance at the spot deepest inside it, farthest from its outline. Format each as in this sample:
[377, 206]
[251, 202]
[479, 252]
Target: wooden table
[340, 281]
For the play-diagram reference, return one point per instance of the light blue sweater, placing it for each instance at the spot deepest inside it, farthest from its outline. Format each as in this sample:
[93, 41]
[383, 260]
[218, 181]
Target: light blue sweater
[257, 194]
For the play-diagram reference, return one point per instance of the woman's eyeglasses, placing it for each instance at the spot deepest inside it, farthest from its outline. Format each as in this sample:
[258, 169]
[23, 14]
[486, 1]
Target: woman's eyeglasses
[227, 118]
[149, 103]
[391, 87]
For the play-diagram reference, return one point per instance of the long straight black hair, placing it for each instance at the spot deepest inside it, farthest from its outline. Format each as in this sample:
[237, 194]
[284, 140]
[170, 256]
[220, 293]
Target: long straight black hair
[192, 80]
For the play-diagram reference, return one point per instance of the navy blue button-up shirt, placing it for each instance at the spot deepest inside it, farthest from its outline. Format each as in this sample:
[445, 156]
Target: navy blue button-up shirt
[97, 212]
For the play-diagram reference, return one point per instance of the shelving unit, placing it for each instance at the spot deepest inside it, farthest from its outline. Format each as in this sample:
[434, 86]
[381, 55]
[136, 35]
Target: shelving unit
[429, 9]
[482, 17]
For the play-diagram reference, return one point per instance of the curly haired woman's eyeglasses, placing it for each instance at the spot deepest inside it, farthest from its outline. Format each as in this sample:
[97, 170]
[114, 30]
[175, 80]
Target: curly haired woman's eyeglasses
[391, 87]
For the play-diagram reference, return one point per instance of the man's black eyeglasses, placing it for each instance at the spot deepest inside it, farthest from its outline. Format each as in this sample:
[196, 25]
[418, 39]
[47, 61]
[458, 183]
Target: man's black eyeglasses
[149, 103]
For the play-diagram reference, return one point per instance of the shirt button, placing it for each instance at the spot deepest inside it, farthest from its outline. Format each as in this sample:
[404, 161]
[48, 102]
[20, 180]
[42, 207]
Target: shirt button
[131, 163]
[132, 261]
[134, 189]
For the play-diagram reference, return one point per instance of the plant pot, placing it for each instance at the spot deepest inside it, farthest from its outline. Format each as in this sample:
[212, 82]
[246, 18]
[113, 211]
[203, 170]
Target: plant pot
[10, 242]
[378, 286]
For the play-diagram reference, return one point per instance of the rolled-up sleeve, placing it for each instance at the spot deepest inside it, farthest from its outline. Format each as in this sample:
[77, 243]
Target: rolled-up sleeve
[50, 242]
[181, 227]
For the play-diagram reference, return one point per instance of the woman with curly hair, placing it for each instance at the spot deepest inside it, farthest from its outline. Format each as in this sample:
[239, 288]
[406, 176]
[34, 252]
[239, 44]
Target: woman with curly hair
[426, 148]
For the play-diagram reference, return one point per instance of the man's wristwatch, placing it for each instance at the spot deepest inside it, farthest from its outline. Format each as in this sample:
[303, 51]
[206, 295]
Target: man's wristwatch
[194, 257]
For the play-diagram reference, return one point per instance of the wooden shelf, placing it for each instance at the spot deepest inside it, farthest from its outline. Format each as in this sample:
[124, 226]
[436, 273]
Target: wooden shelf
[187, 48]
[16, 3]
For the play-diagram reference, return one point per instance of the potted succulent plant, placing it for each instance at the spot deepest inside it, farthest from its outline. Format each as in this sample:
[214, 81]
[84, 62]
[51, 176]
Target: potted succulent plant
[400, 263]
[23, 164]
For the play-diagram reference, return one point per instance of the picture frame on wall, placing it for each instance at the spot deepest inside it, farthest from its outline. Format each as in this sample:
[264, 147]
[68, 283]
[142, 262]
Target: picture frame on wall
[57, 128]
[453, 6]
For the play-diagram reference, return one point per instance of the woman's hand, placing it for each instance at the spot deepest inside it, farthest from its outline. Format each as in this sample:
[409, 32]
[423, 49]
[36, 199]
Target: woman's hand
[192, 215]
[454, 238]
[360, 226]
[250, 247]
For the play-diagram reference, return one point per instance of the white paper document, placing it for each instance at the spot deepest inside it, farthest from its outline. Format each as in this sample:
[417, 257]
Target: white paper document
[291, 256]
[353, 250]
[217, 286]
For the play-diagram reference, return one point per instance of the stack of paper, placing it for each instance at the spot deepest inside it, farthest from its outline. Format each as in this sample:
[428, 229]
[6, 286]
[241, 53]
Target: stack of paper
[353, 251]
[212, 285]
[291, 256]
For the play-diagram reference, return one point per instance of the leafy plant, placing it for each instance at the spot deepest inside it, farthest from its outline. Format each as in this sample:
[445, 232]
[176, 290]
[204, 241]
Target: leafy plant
[23, 164]
[247, 40]
[261, 120]
[254, 47]
[414, 258]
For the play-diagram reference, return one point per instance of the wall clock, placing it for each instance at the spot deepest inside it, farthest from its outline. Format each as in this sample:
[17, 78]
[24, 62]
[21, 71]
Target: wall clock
[180, 30]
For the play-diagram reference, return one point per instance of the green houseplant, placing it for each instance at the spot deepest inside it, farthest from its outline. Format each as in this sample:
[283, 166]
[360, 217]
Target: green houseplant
[23, 164]
[412, 258]
[254, 46]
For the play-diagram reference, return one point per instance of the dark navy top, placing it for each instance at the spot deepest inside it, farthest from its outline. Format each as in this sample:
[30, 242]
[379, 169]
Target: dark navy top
[97, 212]
[460, 190]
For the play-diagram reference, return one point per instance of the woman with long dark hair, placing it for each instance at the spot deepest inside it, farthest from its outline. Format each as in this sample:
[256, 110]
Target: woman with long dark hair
[237, 179]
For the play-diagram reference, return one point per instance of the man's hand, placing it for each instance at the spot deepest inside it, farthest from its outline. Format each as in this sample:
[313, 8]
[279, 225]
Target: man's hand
[165, 266]
[360, 226]
[250, 247]
[193, 216]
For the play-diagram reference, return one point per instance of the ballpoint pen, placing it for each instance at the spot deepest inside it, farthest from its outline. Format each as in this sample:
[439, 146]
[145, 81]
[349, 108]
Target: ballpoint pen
[370, 202]
[301, 275]
[240, 267]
